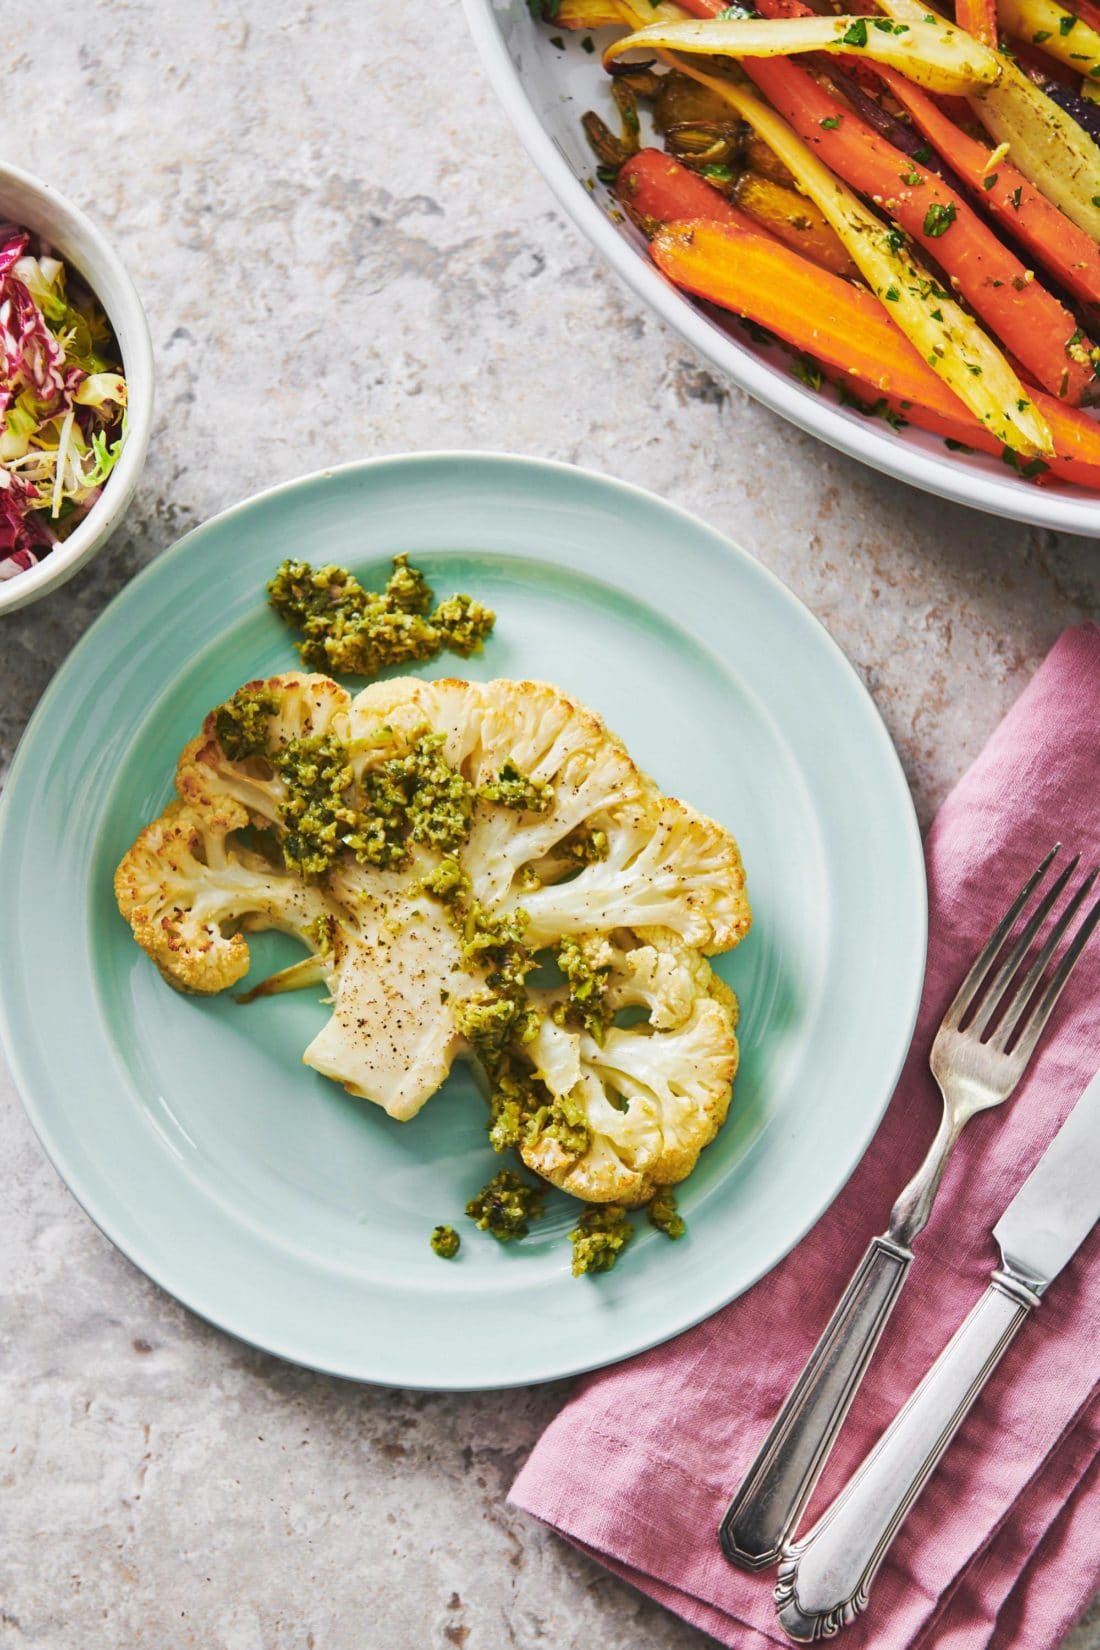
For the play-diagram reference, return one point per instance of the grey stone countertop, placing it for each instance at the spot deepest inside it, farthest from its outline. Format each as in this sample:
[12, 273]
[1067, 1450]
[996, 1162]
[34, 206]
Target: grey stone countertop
[344, 252]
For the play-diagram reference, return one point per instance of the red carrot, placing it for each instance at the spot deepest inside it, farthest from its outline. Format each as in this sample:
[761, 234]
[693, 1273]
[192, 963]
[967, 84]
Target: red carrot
[654, 187]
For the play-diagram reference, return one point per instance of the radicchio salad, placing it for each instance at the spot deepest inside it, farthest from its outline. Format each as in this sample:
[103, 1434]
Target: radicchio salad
[63, 401]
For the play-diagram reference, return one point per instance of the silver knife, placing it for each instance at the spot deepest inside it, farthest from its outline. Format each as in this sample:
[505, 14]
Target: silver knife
[824, 1578]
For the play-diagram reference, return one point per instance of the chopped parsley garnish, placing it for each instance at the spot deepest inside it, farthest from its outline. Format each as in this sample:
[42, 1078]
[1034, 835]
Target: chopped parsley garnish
[856, 33]
[831, 122]
[1033, 467]
[939, 218]
[1065, 24]
[988, 182]
[807, 372]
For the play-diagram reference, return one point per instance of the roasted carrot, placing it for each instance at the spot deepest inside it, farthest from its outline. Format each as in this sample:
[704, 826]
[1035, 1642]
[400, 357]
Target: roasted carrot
[1067, 251]
[1027, 319]
[979, 18]
[794, 220]
[845, 327]
[1088, 13]
[654, 189]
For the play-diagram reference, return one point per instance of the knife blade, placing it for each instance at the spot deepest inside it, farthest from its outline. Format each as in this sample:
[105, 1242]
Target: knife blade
[1059, 1203]
[825, 1576]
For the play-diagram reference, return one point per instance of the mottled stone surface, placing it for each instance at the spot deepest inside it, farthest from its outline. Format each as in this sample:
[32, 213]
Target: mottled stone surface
[344, 252]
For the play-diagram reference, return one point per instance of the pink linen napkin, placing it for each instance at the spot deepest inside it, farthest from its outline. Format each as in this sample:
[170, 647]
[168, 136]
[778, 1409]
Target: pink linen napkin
[1003, 1548]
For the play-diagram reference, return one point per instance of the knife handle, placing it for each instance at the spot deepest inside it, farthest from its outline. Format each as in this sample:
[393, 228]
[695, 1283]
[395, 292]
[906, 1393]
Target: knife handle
[777, 1486]
[824, 1579]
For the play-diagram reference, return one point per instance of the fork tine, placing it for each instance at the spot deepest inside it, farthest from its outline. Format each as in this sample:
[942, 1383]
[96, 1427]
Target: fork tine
[989, 999]
[1040, 1014]
[1024, 992]
[965, 994]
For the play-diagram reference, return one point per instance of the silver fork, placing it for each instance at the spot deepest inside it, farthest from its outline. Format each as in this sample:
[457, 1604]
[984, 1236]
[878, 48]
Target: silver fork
[980, 1053]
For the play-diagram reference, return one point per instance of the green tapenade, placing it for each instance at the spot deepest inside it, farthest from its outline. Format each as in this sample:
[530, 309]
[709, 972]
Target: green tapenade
[415, 797]
[506, 1206]
[317, 813]
[357, 632]
[500, 1014]
[448, 882]
[662, 1213]
[446, 1242]
[512, 788]
[584, 847]
[599, 1238]
[586, 1005]
[522, 1111]
[241, 723]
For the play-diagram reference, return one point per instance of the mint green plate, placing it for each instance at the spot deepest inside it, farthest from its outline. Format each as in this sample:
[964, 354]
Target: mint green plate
[297, 1217]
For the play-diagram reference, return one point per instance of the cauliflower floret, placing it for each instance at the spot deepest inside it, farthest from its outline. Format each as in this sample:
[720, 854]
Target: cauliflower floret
[652, 1100]
[661, 974]
[667, 866]
[434, 844]
[185, 894]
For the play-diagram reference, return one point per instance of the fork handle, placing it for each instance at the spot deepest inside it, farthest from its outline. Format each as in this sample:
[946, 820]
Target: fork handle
[825, 1578]
[773, 1496]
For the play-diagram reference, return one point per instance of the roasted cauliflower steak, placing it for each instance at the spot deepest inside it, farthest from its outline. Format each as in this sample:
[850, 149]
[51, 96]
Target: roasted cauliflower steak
[478, 870]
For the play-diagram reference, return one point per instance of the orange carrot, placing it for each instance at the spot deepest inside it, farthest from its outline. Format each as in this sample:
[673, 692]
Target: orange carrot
[847, 329]
[1066, 251]
[979, 18]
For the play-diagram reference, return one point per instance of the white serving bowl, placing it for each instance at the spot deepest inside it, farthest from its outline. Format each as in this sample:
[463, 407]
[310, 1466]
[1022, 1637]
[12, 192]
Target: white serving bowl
[545, 91]
[37, 206]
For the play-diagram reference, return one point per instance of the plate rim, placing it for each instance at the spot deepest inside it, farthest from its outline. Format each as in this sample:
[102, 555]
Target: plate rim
[815, 1208]
[1004, 497]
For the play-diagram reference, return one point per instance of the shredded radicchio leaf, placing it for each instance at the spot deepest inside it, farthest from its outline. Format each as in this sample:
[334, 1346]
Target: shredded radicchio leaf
[62, 405]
